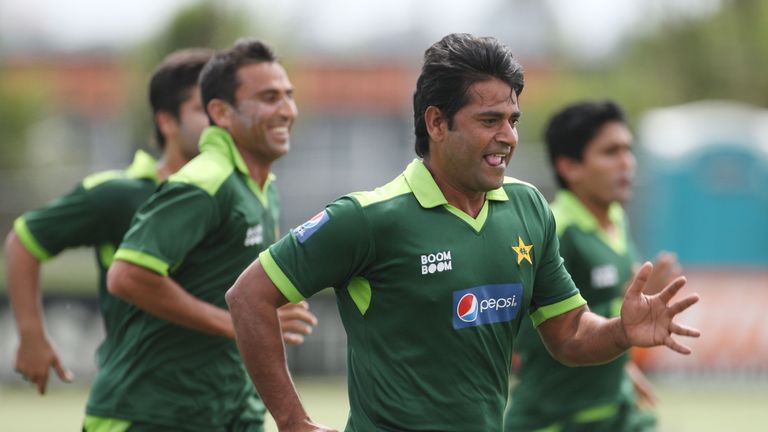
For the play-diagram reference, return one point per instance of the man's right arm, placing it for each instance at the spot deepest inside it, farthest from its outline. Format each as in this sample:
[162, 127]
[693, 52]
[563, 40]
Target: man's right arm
[253, 302]
[36, 354]
[163, 297]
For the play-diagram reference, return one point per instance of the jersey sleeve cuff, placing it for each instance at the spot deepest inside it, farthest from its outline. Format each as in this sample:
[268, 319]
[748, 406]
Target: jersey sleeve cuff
[550, 311]
[142, 259]
[28, 240]
[279, 278]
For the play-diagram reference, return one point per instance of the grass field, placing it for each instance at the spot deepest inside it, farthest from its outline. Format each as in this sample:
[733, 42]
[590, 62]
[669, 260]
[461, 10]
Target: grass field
[689, 407]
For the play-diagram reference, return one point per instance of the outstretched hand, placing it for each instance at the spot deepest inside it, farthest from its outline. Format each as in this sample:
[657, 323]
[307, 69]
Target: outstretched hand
[647, 320]
[296, 321]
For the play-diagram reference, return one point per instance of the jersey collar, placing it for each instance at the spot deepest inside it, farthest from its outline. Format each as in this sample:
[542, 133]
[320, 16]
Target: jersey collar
[143, 166]
[572, 211]
[427, 192]
[218, 140]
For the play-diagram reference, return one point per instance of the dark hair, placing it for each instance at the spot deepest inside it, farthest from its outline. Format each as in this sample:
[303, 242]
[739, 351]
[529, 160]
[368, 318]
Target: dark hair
[172, 82]
[451, 66]
[219, 78]
[570, 130]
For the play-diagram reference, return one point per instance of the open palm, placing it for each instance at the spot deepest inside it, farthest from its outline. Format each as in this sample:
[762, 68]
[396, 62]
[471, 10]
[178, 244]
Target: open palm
[648, 319]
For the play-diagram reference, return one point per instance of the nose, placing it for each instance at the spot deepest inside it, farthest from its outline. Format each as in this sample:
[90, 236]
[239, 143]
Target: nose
[507, 134]
[628, 160]
[287, 108]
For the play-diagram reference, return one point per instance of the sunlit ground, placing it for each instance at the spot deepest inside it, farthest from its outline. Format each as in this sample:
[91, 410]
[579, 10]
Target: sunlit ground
[688, 406]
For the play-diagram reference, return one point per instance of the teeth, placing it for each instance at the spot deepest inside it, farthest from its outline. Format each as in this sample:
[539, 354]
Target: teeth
[280, 129]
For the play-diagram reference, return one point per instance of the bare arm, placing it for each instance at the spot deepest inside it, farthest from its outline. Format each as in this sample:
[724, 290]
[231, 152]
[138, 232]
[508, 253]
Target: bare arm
[646, 397]
[253, 302]
[580, 337]
[36, 354]
[164, 298]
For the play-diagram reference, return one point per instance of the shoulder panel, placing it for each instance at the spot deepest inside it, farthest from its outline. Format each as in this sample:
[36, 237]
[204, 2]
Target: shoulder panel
[395, 188]
[208, 171]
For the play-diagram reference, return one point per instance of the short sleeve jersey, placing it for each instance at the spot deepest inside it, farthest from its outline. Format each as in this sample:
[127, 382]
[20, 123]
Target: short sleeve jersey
[96, 213]
[202, 228]
[548, 392]
[430, 298]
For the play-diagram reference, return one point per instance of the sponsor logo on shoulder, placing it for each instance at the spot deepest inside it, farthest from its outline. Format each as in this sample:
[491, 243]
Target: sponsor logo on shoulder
[305, 230]
[254, 235]
[436, 262]
[486, 304]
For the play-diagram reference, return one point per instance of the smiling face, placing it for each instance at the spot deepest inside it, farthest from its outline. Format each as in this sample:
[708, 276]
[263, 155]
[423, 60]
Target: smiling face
[470, 157]
[264, 111]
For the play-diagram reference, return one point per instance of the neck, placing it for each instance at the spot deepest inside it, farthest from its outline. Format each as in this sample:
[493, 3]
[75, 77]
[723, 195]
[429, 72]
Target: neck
[467, 201]
[598, 209]
[258, 168]
[173, 159]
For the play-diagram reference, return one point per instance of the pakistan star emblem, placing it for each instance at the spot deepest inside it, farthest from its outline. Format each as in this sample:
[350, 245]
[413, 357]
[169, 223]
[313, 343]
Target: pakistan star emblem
[523, 251]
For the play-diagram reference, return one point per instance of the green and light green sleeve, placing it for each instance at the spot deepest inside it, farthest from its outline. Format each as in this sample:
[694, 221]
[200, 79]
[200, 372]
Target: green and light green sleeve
[326, 251]
[554, 292]
[67, 222]
[173, 221]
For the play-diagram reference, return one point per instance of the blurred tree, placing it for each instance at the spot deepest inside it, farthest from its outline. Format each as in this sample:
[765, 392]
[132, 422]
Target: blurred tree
[19, 108]
[723, 55]
[211, 24]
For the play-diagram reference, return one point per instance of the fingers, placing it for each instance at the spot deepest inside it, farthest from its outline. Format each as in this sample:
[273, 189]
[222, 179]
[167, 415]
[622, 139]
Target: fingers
[667, 293]
[296, 326]
[676, 346]
[41, 382]
[64, 374]
[293, 338]
[640, 279]
[684, 330]
[297, 312]
[679, 306]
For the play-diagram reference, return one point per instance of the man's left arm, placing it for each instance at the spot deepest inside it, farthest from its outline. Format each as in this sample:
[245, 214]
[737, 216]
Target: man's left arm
[580, 337]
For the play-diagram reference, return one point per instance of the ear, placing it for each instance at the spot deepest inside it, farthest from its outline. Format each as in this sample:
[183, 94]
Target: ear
[437, 124]
[167, 123]
[221, 112]
[569, 169]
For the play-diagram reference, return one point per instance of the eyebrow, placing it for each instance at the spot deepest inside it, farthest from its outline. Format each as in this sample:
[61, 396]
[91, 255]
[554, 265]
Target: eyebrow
[498, 114]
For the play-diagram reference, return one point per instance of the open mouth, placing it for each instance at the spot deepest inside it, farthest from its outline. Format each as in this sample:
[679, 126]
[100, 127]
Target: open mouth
[280, 132]
[496, 159]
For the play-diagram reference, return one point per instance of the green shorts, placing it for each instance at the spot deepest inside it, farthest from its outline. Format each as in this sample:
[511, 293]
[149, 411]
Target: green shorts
[107, 424]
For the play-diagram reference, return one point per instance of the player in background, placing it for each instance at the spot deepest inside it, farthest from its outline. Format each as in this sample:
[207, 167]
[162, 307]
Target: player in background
[435, 270]
[97, 213]
[590, 149]
[179, 368]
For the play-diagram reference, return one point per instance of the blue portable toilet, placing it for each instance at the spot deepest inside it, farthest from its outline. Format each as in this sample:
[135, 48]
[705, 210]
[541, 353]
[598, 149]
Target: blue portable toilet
[703, 184]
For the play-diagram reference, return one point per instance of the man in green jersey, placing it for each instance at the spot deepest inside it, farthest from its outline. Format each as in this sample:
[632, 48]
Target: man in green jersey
[590, 149]
[435, 270]
[97, 212]
[178, 367]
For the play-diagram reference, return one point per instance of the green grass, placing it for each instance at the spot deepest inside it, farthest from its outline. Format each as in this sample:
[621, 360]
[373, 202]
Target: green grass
[684, 407]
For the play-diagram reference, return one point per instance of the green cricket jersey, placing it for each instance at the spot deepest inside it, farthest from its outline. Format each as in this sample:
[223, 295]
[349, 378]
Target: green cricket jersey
[430, 298]
[97, 213]
[202, 228]
[549, 394]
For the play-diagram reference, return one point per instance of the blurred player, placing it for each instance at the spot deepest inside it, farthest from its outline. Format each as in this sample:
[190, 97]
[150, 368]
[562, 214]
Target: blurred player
[590, 148]
[435, 270]
[178, 367]
[97, 213]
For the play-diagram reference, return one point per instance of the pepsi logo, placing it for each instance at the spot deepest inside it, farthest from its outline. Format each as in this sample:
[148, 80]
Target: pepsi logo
[316, 219]
[486, 304]
[305, 230]
[467, 308]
